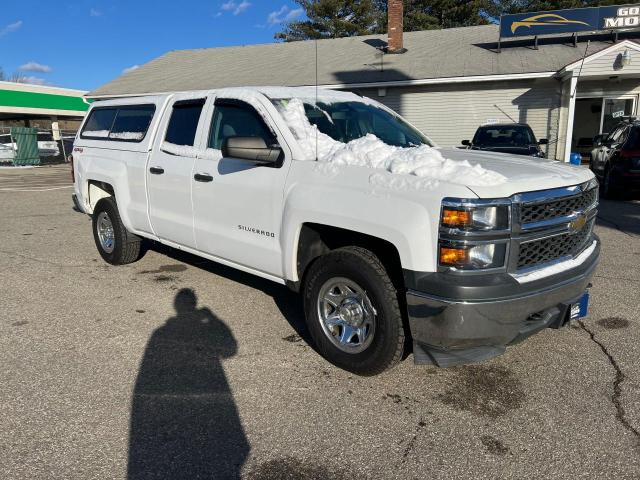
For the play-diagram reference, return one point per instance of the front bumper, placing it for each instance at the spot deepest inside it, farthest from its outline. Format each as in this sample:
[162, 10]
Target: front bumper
[453, 331]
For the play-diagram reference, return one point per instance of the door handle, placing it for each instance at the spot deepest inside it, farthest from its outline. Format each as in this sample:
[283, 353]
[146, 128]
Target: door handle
[156, 170]
[203, 177]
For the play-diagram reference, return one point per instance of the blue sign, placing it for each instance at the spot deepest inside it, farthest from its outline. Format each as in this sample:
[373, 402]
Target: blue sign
[570, 21]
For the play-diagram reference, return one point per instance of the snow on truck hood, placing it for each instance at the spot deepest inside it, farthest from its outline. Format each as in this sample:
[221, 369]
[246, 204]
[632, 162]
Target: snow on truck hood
[522, 173]
[487, 174]
[425, 162]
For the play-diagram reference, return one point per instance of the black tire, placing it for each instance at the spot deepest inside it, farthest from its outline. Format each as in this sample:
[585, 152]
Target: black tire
[365, 269]
[126, 246]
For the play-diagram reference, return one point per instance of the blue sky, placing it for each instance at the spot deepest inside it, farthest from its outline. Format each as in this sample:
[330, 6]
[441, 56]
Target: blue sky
[85, 43]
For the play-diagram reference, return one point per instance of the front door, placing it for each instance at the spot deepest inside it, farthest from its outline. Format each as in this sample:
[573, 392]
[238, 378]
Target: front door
[169, 173]
[237, 215]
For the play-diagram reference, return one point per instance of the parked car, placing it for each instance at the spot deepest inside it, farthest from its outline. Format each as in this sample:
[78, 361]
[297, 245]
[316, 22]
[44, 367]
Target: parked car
[386, 237]
[47, 146]
[615, 160]
[7, 153]
[514, 138]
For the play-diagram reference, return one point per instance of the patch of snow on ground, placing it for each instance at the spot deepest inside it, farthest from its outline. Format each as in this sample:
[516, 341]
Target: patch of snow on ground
[369, 151]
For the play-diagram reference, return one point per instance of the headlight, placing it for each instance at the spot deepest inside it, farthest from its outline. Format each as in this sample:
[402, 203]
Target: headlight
[461, 215]
[465, 257]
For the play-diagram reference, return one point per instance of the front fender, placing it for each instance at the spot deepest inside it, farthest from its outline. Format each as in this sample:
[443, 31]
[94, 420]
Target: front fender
[405, 223]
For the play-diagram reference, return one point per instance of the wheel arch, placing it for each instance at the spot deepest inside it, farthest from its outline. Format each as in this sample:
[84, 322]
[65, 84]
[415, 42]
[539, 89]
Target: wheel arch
[316, 239]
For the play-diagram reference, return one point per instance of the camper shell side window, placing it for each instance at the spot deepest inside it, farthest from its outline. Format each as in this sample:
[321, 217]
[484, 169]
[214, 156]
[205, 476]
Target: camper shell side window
[126, 123]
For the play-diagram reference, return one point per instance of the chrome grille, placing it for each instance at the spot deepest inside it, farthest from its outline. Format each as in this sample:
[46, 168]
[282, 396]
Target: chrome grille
[563, 207]
[545, 250]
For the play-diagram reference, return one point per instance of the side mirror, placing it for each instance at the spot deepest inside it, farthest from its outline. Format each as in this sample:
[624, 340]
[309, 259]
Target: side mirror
[543, 141]
[251, 148]
[466, 142]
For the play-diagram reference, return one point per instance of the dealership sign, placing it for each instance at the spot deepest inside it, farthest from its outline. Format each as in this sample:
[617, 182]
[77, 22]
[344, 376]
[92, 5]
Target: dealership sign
[570, 21]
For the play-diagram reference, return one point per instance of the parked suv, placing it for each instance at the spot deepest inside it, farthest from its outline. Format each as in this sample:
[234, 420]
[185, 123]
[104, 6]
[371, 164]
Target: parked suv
[514, 138]
[390, 240]
[616, 158]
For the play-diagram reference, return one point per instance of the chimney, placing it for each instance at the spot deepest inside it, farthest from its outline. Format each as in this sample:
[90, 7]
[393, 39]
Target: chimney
[395, 27]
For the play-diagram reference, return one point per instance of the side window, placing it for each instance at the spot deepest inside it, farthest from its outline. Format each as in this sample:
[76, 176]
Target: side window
[184, 122]
[132, 123]
[126, 123]
[99, 123]
[237, 121]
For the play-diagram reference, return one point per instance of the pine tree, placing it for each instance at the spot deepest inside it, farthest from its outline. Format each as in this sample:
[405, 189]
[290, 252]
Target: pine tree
[332, 19]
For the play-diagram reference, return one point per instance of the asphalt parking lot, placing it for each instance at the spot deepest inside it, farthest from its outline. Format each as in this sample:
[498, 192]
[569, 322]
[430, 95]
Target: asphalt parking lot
[176, 367]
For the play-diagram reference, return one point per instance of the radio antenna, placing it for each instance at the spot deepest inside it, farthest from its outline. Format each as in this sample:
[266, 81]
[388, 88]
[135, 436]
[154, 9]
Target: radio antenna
[316, 105]
[575, 90]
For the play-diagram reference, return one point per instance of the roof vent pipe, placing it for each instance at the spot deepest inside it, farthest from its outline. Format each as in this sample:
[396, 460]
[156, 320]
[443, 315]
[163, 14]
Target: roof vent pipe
[395, 27]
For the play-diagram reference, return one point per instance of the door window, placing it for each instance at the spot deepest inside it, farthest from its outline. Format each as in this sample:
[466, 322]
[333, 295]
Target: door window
[183, 124]
[614, 110]
[237, 121]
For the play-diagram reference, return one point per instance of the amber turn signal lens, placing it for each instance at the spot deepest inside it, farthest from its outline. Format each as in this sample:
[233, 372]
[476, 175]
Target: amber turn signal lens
[456, 218]
[453, 256]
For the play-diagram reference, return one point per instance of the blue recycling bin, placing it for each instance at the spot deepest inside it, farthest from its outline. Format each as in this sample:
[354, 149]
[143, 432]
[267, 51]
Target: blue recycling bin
[575, 158]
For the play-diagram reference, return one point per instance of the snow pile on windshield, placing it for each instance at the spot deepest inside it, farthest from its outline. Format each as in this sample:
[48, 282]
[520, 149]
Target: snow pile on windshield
[369, 151]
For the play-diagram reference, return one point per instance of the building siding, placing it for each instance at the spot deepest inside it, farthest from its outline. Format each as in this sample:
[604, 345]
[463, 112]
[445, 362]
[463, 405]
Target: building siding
[609, 64]
[451, 113]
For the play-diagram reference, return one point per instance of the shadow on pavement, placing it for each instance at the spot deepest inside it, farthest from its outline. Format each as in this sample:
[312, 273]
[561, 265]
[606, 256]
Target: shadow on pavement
[184, 421]
[289, 303]
[623, 215]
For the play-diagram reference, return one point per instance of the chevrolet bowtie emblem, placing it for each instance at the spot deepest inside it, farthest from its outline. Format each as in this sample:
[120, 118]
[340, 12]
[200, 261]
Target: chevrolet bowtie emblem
[577, 224]
[543, 20]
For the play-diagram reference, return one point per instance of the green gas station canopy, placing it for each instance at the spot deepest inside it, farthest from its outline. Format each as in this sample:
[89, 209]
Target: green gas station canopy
[43, 101]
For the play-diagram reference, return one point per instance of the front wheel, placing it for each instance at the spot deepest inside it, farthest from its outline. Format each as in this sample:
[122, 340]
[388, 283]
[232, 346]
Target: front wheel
[353, 311]
[116, 245]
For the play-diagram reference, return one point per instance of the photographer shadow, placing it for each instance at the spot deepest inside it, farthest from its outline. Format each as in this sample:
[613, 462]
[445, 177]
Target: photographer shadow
[184, 421]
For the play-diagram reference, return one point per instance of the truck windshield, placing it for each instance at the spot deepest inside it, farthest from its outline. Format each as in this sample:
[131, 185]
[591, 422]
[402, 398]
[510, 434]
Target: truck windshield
[346, 121]
[503, 136]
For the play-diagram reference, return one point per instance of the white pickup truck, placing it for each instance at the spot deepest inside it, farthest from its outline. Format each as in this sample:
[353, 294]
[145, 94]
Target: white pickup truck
[393, 243]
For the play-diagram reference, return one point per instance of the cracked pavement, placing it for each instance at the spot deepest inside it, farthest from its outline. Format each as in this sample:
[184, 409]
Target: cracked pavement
[98, 364]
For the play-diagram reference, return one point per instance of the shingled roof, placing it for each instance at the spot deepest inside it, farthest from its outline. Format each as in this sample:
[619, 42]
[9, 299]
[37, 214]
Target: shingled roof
[431, 54]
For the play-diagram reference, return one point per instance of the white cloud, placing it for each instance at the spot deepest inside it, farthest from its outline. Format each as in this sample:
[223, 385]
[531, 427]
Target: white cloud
[285, 14]
[12, 27]
[35, 67]
[234, 7]
[94, 12]
[131, 69]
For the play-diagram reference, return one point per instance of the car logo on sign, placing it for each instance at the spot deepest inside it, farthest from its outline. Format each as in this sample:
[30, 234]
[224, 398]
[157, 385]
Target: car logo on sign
[542, 20]
[577, 224]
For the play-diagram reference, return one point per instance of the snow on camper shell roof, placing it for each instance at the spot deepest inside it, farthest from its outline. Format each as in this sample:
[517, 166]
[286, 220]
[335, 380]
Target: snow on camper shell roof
[453, 52]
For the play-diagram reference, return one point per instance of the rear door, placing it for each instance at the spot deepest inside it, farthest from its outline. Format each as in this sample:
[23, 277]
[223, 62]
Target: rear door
[169, 171]
[238, 212]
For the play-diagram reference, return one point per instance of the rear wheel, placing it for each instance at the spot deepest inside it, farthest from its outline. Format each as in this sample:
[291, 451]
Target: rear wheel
[353, 311]
[116, 245]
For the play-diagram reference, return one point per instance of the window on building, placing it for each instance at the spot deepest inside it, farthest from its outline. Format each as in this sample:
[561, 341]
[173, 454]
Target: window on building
[183, 124]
